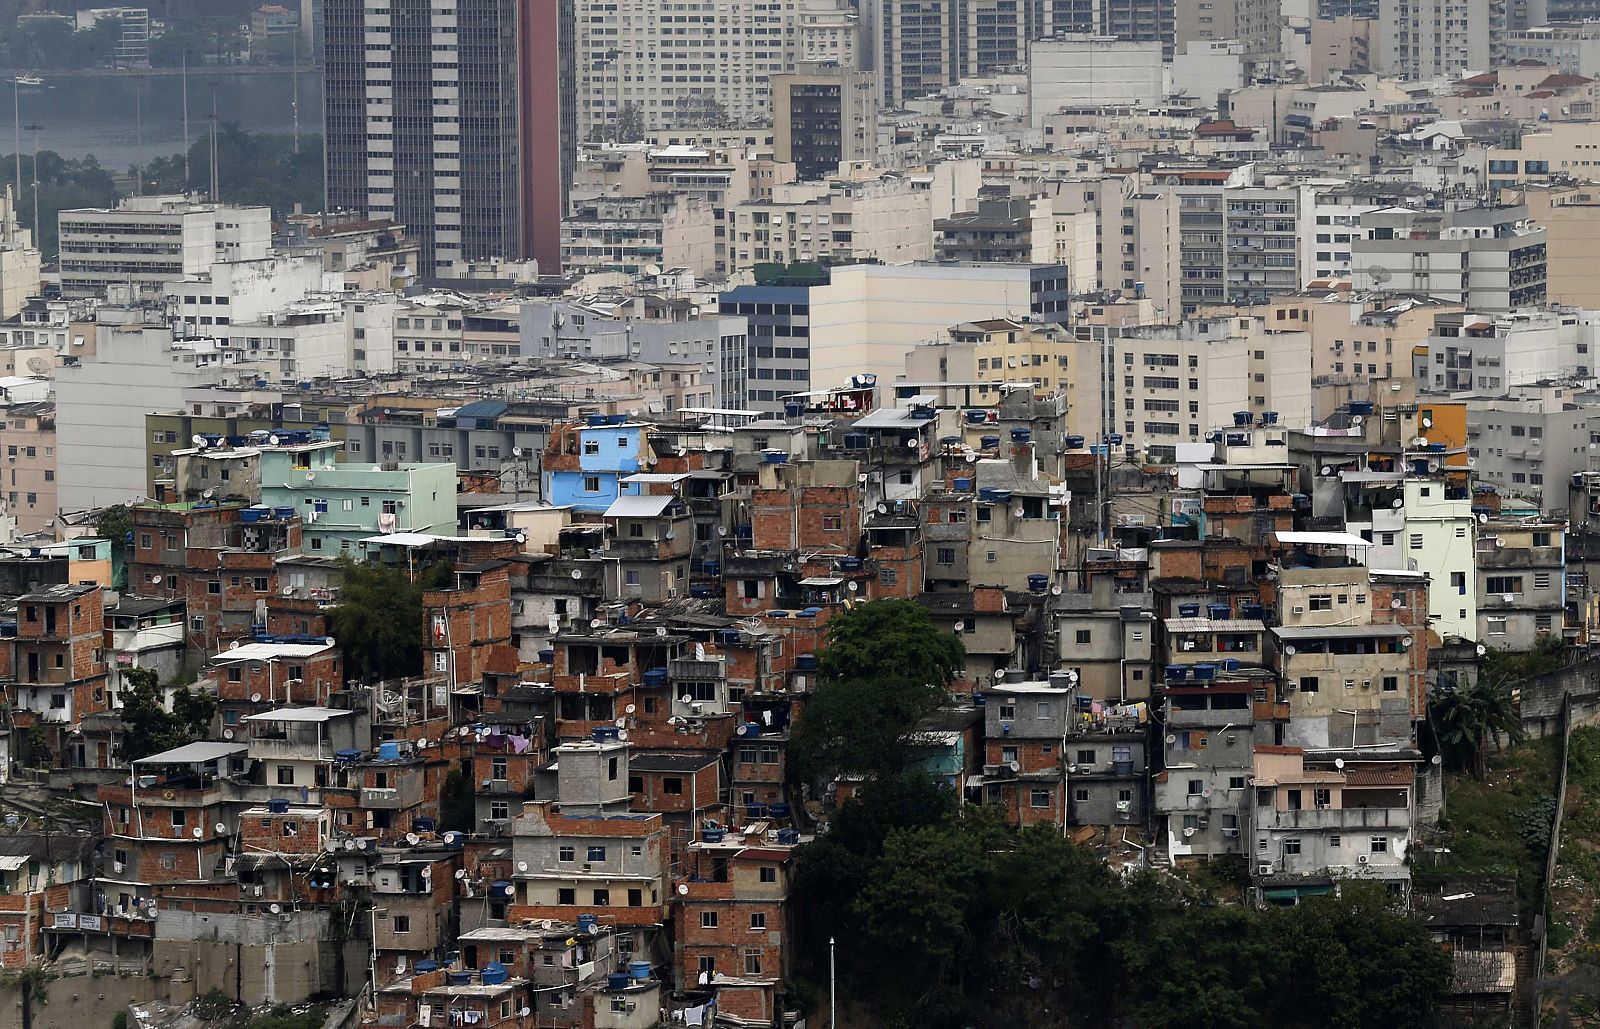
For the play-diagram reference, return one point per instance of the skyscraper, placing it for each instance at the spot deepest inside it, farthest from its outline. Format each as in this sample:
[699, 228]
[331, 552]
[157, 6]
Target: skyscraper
[422, 106]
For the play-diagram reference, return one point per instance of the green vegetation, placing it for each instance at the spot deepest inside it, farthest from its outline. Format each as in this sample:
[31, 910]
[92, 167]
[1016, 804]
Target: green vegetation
[1472, 718]
[944, 917]
[885, 667]
[1491, 823]
[148, 728]
[252, 167]
[378, 620]
[63, 185]
[115, 523]
[54, 44]
[458, 805]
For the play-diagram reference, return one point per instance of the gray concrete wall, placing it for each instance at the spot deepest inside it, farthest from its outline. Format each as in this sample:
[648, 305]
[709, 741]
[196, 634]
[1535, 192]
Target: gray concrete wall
[77, 1002]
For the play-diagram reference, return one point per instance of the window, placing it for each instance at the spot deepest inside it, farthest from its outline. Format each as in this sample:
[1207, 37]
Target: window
[758, 920]
[1309, 684]
[1085, 757]
[1197, 787]
[591, 484]
[1321, 602]
[1416, 541]
[1503, 584]
[1380, 844]
[401, 923]
[566, 853]
[1083, 637]
[566, 895]
[1008, 712]
[1039, 798]
[596, 854]
[708, 919]
[752, 962]
[286, 775]
[831, 523]
[602, 898]
[499, 809]
[1080, 795]
[1235, 782]
[1291, 846]
[769, 873]
[180, 817]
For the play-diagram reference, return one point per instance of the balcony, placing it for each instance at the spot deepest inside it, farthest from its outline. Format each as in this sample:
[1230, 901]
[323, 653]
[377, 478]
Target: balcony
[1334, 818]
[393, 798]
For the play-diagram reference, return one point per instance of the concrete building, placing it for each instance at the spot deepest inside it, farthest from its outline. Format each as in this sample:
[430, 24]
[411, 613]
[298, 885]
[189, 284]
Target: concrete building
[1531, 440]
[1253, 23]
[1439, 537]
[627, 234]
[867, 317]
[995, 352]
[1425, 39]
[1571, 49]
[1013, 229]
[149, 241]
[823, 115]
[29, 476]
[1490, 353]
[1207, 69]
[19, 260]
[102, 400]
[1487, 258]
[888, 219]
[423, 125]
[1073, 72]
[342, 504]
[714, 71]
[1522, 582]
[1570, 216]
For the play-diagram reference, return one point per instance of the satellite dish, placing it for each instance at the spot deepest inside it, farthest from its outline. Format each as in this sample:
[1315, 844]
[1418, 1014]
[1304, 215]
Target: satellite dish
[197, 832]
[683, 889]
[1289, 650]
[329, 640]
[1397, 503]
[349, 844]
[1379, 274]
[413, 839]
[883, 509]
[577, 573]
[620, 723]
[198, 440]
[274, 438]
[275, 908]
[155, 580]
[661, 630]
[622, 734]
[652, 270]
[222, 830]
[311, 476]
[255, 698]
[525, 1012]
[1338, 762]
[1358, 419]
[630, 709]
[687, 698]
[913, 443]
[208, 492]
[1327, 469]
[522, 866]
[1171, 739]
[227, 734]
[1072, 675]
[1015, 766]
[1055, 590]
[422, 744]
[1427, 423]
[1482, 518]
[461, 873]
[516, 451]
[960, 626]
[852, 586]
[595, 623]
[1396, 602]
[1482, 650]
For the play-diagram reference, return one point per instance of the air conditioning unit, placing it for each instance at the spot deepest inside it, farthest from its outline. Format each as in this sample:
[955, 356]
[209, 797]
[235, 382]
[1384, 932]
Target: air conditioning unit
[1264, 869]
[1230, 834]
[1124, 806]
[1362, 859]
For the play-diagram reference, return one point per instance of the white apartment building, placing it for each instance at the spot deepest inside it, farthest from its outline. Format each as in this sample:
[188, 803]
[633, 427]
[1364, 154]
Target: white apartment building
[1491, 353]
[1489, 258]
[102, 400]
[1531, 442]
[1080, 71]
[19, 260]
[146, 242]
[1439, 540]
[1425, 39]
[888, 219]
[686, 65]
[243, 291]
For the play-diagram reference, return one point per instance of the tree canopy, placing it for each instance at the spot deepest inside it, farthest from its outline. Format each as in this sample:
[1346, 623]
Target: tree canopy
[149, 728]
[252, 167]
[884, 666]
[945, 918]
[378, 620]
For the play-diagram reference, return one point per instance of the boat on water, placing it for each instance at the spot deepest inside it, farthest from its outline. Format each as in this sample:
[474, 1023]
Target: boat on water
[29, 80]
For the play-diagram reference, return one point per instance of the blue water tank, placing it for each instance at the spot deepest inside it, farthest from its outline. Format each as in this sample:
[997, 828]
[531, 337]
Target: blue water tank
[347, 755]
[458, 978]
[1360, 407]
[1075, 442]
[427, 965]
[283, 512]
[547, 656]
[1177, 673]
[950, 441]
[586, 923]
[789, 836]
[1230, 664]
[617, 981]
[595, 420]
[977, 416]
[604, 733]
[774, 456]
[711, 567]
[1021, 435]
[1114, 439]
[655, 676]
[639, 969]
[794, 410]
[422, 823]
[755, 810]
[778, 810]
[809, 612]
[1038, 583]
[1188, 610]
[1242, 418]
[251, 514]
[850, 564]
[389, 750]
[961, 484]
[1252, 611]
[1270, 417]
[706, 836]
[1218, 611]
[1205, 672]
[494, 973]
[277, 805]
[749, 729]
[989, 442]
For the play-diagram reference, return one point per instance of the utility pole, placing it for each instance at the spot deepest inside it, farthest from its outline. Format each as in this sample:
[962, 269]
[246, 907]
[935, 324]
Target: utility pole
[294, 102]
[833, 987]
[38, 234]
[186, 139]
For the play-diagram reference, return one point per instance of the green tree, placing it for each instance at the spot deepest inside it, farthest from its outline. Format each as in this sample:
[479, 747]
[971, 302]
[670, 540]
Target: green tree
[115, 523]
[378, 620]
[149, 728]
[1471, 718]
[884, 666]
[458, 805]
[631, 127]
[252, 168]
[1356, 960]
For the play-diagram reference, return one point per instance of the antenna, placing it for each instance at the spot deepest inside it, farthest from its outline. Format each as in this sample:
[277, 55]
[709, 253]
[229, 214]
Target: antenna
[1379, 274]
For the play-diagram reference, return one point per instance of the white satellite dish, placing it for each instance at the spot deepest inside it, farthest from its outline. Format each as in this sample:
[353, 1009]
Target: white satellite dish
[198, 440]
[275, 908]
[155, 580]
[311, 476]
[577, 573]
[1482, 650]
[630, 709]
[274, 438]
[1327, 469]
[255, 698]
[222, 830]
[652, 270]
[688, 698]
[661, 630]
[595, 623]
[620, 723]
[1482, 518]
[683, 889]
[227, 734]
[622, 734]
[208, 492]
[516, 451]
[1289, 650]
[1338, 762]
[960, 626]
[853, 586]
[461, 873]
[349, 844]
[1427, 423]
[912, 443]
[413, 839]
[522, 866]
[197, 832]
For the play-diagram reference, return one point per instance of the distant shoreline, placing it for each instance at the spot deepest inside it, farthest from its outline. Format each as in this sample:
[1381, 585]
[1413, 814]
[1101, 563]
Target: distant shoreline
[199, 71]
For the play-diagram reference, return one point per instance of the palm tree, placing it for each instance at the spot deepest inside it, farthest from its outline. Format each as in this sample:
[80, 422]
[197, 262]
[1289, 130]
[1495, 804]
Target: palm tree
[1473, 717]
